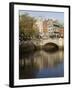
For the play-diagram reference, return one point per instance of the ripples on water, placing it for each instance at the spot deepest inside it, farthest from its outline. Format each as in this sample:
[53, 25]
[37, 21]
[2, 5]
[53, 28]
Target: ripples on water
[41, 64]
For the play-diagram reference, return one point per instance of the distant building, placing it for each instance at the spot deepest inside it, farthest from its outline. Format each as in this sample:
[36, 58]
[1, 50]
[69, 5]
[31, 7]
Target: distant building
[61, 31]
[45, 26]
[39, 24]
[49, 28]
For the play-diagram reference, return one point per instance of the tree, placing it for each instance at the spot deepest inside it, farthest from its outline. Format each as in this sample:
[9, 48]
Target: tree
[26, 29]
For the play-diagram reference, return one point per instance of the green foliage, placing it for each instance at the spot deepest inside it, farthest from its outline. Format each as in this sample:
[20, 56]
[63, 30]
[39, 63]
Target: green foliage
[26, 28]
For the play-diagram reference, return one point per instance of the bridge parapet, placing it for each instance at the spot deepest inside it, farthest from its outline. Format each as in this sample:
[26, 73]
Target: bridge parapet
[58, 41]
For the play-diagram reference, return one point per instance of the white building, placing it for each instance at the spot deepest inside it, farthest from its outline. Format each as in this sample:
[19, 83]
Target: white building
[39, 24]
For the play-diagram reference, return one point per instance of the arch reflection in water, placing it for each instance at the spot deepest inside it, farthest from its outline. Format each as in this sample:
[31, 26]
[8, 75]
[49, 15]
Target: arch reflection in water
[41, 64]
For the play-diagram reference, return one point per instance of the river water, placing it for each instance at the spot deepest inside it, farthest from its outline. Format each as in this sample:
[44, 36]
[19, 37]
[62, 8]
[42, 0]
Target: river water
[41, 64]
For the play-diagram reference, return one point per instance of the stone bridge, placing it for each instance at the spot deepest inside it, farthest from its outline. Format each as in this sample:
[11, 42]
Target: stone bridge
[58, 41]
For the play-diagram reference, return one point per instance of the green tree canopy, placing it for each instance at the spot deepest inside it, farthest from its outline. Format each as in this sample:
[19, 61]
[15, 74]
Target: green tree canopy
[26, 28]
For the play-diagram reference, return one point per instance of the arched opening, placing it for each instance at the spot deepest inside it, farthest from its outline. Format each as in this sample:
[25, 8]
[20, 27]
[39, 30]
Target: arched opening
[51, 47]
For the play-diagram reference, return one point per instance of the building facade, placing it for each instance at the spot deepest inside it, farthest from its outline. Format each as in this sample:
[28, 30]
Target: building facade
[49, 28]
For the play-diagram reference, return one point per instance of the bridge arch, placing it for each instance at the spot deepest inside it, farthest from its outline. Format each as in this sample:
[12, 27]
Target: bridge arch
[50, 46]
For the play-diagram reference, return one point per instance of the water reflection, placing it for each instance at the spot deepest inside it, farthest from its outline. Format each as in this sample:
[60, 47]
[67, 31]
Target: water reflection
[41, 64]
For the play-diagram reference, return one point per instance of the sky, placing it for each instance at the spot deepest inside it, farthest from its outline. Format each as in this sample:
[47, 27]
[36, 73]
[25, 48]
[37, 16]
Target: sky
[45, 14]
